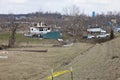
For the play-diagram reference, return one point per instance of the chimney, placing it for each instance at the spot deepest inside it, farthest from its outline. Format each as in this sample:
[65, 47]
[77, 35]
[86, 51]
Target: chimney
[38, 25]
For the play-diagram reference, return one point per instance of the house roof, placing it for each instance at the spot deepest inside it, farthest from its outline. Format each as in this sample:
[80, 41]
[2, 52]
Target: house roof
[95, 30]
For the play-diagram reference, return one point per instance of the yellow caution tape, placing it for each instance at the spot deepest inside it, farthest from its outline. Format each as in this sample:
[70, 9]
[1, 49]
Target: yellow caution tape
[55, 74]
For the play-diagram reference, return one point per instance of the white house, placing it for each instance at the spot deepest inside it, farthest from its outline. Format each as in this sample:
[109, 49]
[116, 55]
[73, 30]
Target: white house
[43, 31]
[96, 32]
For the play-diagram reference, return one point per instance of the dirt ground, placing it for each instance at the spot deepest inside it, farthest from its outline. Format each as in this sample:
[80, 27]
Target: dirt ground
[89, 62]
[22, 64]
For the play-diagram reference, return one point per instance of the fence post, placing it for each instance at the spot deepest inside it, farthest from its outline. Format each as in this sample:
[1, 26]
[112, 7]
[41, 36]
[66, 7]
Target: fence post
[52, 74]
[71, 70]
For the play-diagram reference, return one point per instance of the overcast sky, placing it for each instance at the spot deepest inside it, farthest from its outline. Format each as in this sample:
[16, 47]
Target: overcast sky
[86, 6]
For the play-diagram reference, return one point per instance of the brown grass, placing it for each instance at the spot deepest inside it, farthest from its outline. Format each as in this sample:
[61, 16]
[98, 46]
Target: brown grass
[101, 62]
[22, 65]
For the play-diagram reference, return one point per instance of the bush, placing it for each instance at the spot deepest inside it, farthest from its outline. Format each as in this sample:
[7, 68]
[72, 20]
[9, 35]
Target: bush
[112, 36]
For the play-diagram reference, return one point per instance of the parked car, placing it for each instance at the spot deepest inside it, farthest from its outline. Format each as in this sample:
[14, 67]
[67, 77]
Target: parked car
[102, 35]
[90, 36]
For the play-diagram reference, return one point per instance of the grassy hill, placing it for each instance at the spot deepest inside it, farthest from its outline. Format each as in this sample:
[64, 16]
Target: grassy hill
[102, 62]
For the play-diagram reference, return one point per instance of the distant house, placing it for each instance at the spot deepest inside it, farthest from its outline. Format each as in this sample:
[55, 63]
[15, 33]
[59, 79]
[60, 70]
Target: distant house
[96, 32]
[20, 17]
[41, 30]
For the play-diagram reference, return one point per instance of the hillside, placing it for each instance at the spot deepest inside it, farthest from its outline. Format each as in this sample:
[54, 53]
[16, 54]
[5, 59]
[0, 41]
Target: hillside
[102, 62]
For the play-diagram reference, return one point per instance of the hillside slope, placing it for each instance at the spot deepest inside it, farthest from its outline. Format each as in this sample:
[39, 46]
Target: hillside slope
[102, 62]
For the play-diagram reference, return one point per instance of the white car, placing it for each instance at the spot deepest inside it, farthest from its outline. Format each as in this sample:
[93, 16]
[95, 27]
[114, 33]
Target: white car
[90, 36]
[102, 35]
[28, 35]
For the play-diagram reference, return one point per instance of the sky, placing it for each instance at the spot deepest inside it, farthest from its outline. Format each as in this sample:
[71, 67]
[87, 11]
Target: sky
[85, 6]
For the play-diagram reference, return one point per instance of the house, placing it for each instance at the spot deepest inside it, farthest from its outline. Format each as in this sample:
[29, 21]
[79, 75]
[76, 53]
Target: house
[41, 30]
[96, 32]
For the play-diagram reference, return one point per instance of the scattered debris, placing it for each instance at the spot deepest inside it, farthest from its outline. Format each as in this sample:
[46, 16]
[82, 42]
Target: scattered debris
[3, 57]
[57, 45]
[36, 50]
[31, 50]
[61, 40]
[3, 52]
[3, 47]
[68, 45]
[113, 57]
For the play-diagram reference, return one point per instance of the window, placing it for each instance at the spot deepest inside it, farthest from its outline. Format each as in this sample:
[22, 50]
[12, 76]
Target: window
[32, 29]
[40, 29]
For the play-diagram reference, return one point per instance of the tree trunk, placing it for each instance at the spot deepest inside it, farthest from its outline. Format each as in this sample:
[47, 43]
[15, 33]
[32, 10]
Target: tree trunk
[12, 36]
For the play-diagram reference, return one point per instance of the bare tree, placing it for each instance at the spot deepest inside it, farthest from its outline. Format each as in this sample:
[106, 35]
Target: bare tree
[66, 11]
[12, 39]
[72, 11]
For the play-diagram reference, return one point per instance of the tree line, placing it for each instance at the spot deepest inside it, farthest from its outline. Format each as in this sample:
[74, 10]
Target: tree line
[71, 22]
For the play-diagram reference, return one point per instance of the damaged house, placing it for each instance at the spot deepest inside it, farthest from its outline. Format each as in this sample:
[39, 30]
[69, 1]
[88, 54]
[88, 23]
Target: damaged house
[41, 30]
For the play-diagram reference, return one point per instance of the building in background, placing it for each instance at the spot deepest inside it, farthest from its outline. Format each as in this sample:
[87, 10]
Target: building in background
[41, 30]
[96, 32]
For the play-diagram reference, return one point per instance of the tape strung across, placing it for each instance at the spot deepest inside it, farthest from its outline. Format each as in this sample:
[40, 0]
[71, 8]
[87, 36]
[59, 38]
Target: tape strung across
[55, 74]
